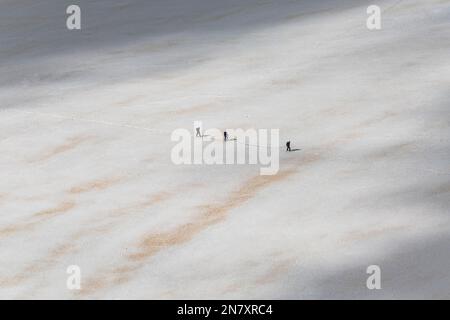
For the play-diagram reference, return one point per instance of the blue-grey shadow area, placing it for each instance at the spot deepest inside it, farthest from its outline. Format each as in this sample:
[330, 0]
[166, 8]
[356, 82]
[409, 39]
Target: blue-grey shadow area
[33, 33]
[419, 270]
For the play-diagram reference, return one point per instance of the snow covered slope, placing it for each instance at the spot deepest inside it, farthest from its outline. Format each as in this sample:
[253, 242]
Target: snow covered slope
[86, 175]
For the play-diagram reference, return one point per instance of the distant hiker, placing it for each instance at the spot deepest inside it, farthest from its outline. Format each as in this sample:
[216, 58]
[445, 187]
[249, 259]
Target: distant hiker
[198, 134]
[288, 146]
[225, 135]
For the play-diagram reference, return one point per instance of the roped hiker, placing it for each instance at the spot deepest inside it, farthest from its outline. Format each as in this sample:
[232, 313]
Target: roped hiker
[288, 146]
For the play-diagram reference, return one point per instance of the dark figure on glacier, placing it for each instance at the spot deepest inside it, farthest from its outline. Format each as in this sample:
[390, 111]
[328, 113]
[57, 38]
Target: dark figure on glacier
[225, 135]
[198, 134]
[288, 146]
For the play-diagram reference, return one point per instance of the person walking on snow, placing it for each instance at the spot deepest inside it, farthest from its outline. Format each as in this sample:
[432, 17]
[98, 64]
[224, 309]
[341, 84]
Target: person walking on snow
[225, 136]
[288, 146]
[198, 134]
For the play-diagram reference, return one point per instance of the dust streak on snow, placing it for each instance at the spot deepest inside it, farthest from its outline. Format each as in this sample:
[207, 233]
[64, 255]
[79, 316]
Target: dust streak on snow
[209, 216]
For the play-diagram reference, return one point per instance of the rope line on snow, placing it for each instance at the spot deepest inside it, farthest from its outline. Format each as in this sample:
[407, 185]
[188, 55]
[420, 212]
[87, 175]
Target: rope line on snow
[124, 125]
[248, 144]
[108, 123]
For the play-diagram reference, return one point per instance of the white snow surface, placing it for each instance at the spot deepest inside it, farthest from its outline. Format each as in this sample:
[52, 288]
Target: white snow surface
[87, 179]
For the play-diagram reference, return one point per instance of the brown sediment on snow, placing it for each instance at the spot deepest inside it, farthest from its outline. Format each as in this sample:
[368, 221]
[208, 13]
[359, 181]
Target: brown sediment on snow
[209, 216]
[152, 200]
[358, 235]
[278, 265]
[95, 185]
[61, 208]
[68, 247]
[38, 267]
[69, 144]
[100, 229]
[37, 218]
[11, 229]
[13, 281]
[115, 277]
[277, 270]
[274, 272]
[41, 265]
